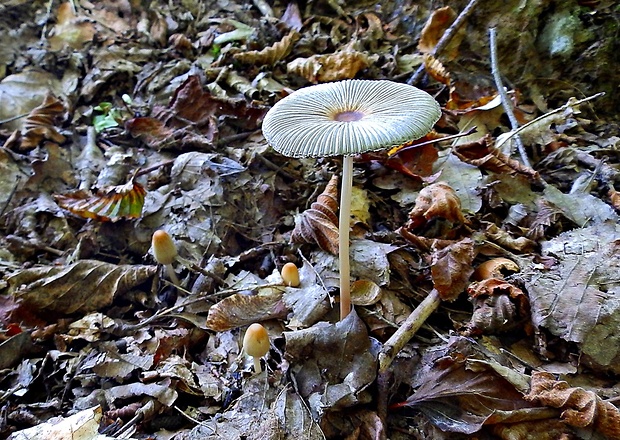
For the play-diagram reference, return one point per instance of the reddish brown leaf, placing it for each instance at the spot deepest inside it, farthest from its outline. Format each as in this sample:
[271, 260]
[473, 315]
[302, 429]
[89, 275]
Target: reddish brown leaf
[319, 224]
[581, 408]
[451, 268]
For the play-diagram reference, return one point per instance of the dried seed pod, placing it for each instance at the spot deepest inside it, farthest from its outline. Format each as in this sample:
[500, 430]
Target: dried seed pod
[332, 67]
[271, 54]
[319, 224]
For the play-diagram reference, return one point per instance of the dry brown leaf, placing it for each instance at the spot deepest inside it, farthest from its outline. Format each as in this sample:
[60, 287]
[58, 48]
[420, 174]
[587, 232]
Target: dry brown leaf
[82, 287]
[482, 154]
[503, 238]
[70, 30]
[451, 268]
[433, 30]
[245, 308]
[580, 408]
[436, 201]
[498, 306]
[271, 54]
[436, 70]
[319, 224]
[331, 67]
[38, 126]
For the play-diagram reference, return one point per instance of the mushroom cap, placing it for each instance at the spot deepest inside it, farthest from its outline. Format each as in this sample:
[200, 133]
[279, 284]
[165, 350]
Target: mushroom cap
[256, 341]
[164, 249]
[290, 275]
[349, 117]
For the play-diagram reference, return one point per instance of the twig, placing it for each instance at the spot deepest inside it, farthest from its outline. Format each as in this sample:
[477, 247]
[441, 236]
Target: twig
[505, 102]
[407, 329]
[446, 38]
[472, 130]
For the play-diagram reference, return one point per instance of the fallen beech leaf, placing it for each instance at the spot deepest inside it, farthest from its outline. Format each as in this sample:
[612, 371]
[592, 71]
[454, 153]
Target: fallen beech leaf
[242, 309]
[482, 154]
[434, 28]
[83, 425]
[581, 408]
[319, 224]
[38, 126]
[109, 204]
[436, 201]
[503, 238]
[82, 287]
[70, 30]
[451, 268]
[271, 54]
[333, 67]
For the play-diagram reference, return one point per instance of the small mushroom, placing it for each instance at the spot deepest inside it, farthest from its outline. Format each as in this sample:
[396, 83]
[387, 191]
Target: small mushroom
[165, 252]
[343, 119]
[290, 275]
[256, 344]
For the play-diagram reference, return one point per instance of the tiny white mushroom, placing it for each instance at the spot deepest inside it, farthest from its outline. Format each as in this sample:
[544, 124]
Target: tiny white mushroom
[343, 119]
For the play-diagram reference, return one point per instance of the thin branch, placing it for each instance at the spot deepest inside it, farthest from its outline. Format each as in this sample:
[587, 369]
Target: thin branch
[446, 38]
[505, 101]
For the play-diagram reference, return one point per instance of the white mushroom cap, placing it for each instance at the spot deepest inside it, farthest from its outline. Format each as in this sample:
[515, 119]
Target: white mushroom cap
[349, 117]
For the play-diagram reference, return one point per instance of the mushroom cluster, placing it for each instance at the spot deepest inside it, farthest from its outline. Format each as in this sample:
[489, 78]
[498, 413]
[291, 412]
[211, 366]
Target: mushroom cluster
[346, 118]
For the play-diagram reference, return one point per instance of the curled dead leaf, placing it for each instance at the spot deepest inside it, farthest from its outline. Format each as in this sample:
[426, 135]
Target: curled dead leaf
[331, 67]
[435, 69]
[436, 201]
[434, 28]
[271, 54]
[498, 306]
[319, 224]
[38, 126]
[581, 408]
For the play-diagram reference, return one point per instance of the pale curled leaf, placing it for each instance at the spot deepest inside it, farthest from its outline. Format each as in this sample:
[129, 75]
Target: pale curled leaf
[83, 287]
[270, 54]
[332, 67]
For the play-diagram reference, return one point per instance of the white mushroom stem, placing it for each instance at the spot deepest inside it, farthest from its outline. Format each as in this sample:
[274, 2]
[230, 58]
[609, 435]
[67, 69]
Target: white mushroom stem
[343, 236]
[172, 275]
[257, 366]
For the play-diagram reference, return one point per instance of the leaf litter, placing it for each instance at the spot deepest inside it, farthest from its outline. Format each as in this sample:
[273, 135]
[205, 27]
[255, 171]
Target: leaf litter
[151, 119]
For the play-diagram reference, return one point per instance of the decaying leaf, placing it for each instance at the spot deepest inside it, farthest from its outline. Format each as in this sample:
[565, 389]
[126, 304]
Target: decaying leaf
[70, 30]
[242, 309]
[109, 204]
[332, 67]
[82, 287]
[436, 70]
[271, 54]
[580, 408]
[434, 28]
[459, 398]
[436, 201]
[333, 364]
[319, 224]
[577, 299]
[451, 268]
[498, 306]
[38, 126]
[482, 154]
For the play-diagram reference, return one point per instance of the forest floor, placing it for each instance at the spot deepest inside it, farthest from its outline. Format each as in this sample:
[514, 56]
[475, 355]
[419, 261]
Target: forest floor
[119, 118]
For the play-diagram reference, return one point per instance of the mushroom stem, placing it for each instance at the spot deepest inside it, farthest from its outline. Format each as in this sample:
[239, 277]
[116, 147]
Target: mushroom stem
[257, 366]
[343, 236]
[172, 275]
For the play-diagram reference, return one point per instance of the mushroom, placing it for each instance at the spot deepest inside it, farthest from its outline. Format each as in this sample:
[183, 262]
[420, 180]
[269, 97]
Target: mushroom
[165, 252]
[343, 119]
[256, 344]
[290, 275]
